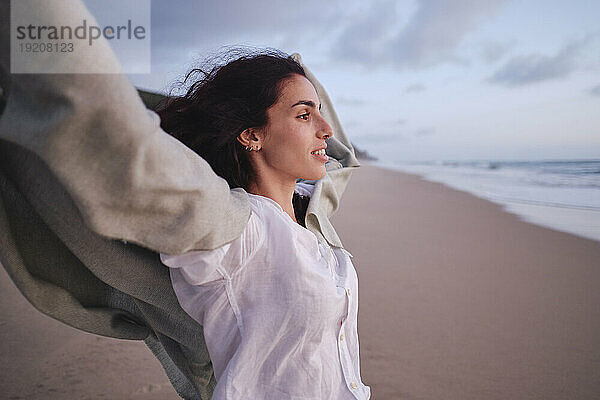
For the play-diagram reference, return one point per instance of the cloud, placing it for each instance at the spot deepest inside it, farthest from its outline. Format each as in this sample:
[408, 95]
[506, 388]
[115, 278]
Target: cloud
[415, 87]
[595, 91]
[362, 40]
[352, 124]
[438, 28]
[378, 137]
[425, 131]
[185, 32]
[366, 34]
[492, 51]
[183, 23]
[431, 36]
[349, 101]
[532, 68]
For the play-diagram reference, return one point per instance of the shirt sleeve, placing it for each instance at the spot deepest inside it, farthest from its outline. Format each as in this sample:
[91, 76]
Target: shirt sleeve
[200, 267]
[128, 178]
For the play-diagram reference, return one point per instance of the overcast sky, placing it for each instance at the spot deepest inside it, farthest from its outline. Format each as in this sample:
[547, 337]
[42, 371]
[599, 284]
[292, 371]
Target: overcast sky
[419, 80]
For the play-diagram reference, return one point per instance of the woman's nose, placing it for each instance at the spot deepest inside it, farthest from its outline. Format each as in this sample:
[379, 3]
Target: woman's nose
[326, 132]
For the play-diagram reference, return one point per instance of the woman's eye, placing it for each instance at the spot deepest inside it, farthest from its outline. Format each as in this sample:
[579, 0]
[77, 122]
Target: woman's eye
[304, 116]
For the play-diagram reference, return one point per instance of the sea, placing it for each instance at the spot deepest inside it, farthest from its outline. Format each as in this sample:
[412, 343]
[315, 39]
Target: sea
[563, 195]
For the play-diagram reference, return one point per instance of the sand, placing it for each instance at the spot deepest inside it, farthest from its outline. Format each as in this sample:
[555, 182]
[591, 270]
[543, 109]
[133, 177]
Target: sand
[458, 300]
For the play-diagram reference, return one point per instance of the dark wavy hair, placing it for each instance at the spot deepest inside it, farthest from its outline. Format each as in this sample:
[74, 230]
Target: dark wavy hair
[233, 92]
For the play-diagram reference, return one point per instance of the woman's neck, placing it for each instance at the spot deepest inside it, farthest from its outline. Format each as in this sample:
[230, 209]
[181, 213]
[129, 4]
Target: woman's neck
[281, 193]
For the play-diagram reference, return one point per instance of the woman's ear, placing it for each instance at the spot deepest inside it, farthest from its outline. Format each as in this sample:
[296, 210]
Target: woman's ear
[250, 137]
[243, 138]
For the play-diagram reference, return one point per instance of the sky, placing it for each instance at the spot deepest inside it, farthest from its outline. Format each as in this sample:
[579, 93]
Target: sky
[418, 80]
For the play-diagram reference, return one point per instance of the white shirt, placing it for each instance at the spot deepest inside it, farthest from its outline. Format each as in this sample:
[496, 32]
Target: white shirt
[278, 308]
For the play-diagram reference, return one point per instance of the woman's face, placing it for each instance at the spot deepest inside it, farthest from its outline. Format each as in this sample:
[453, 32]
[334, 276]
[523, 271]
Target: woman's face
[295, 130]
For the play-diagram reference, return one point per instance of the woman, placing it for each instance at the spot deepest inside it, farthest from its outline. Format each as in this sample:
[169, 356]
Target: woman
[87, 145]
[278, 304]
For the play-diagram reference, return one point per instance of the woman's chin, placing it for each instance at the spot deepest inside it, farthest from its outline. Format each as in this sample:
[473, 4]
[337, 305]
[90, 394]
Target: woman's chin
[315, 176]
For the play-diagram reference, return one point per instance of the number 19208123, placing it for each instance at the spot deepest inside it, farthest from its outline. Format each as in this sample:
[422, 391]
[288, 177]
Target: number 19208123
[63, 47]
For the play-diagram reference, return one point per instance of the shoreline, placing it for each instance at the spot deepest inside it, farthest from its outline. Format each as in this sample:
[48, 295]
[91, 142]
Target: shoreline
[572, 220]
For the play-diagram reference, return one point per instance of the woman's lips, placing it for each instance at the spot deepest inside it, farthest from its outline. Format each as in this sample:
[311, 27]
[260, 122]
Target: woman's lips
[323, 158]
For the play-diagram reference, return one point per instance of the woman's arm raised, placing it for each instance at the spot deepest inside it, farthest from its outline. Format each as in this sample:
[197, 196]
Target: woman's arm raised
[129, 179]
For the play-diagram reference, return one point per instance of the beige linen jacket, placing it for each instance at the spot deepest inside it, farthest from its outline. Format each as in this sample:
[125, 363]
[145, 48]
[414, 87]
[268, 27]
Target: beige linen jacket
[91, 190]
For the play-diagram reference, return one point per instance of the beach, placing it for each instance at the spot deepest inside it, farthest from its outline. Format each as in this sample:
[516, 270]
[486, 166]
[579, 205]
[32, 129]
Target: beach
[458, 299]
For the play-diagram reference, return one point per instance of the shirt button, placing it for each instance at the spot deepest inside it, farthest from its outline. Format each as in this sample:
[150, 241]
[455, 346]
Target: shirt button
[353, 385]
[342, 336]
